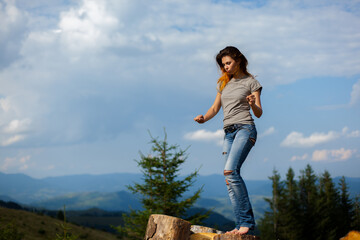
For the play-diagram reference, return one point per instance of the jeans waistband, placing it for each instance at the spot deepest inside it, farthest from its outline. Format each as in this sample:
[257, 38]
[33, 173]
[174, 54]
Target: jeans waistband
[232, 128]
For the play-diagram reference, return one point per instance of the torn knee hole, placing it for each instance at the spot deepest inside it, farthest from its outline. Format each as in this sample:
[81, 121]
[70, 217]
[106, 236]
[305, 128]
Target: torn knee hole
[253, 140]
[227, 172]
[224, 153]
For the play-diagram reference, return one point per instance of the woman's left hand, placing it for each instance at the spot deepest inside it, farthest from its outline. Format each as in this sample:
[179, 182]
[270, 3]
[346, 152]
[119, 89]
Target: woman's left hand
[251, 99]
[255, 103]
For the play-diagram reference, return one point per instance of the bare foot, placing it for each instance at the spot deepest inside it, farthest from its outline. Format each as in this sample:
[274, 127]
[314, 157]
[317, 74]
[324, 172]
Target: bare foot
[234, 231]
[243, 230]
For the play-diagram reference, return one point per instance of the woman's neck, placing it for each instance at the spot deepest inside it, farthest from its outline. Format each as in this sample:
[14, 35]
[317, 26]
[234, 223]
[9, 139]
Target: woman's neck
[239, 74]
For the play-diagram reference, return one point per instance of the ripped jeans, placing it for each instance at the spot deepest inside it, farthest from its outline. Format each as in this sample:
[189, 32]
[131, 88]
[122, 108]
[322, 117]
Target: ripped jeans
[237, 145]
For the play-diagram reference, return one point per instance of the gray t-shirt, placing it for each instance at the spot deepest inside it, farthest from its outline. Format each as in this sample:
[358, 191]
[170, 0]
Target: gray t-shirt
[233, 100]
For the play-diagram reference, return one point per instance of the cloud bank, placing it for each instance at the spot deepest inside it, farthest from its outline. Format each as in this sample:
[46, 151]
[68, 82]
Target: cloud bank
[297, 139]
[204, 135]
[333, 155]
[327, 155]
[73, 75]
[269, 131]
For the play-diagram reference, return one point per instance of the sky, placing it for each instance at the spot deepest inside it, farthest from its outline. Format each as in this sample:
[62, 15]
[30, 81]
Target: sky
[83, 82]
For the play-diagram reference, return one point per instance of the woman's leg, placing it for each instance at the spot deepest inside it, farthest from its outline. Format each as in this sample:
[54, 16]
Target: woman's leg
[241, 144]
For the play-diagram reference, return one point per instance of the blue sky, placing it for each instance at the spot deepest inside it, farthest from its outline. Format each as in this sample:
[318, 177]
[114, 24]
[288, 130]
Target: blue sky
[82, 82]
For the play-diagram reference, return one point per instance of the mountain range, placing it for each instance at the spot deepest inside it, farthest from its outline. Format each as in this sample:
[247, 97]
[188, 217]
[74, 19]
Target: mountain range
[25, 189]
[109, 192]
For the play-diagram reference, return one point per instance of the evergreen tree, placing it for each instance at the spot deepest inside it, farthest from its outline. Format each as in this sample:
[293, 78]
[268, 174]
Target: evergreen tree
[308, 202]
[355, 225]
[162, 190]
[275, 204]
[266, 226]
[346, 214]
[60, 215]
[291, 229]
[271, 224]
[311, 208]
[328, 210]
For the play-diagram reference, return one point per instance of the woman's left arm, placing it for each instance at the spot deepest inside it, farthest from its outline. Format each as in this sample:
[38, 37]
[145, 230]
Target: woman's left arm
[255, 103]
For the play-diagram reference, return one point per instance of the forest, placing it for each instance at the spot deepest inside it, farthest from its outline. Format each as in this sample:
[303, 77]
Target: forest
[312, 207]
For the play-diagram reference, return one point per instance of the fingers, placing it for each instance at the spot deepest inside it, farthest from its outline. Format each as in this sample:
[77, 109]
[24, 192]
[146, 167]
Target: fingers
[199, 119]
[251, 99]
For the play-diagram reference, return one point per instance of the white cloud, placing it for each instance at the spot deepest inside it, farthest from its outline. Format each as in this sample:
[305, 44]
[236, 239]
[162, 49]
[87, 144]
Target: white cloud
[5, 104]
[303, 157]
[354, 99]
[204, 135]
[297, 139]
[355, 93]
[352, 134]
[16, 126]
[269, 131]
[15, 163]
[332, 155]
[68, 71]
[87, 26]
[13, 139]
[14, 131]
[12, 30]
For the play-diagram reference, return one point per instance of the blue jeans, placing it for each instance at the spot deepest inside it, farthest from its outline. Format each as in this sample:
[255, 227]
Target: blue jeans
[237, 145]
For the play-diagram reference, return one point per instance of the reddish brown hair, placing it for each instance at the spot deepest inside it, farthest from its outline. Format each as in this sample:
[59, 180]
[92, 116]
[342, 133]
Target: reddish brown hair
[235, 54]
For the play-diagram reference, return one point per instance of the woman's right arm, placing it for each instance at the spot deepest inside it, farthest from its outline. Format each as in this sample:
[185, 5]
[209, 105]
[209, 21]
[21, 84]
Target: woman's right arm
[213, 110]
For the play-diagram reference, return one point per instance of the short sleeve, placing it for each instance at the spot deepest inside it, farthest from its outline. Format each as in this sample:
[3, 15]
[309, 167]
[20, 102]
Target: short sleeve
[255, 86]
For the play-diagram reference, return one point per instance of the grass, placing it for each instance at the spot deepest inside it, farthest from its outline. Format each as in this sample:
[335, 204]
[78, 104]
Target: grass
[35, 226]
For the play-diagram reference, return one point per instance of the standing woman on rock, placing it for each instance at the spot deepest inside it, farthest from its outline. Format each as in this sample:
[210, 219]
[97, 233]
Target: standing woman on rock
[237, 92]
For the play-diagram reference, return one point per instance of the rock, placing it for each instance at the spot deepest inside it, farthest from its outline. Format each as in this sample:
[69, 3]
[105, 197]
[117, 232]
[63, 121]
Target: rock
[352, 235]
[202, 229]
[162, 227]
[235, 237]
[203, 236]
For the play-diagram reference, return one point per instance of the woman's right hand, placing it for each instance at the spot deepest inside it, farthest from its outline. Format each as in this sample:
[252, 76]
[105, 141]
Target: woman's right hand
[199, 119]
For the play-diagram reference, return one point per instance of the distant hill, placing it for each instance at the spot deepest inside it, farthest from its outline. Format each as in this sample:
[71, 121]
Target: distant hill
[7, 199]
[108, 192]
[114, 201]
[101, 219]
[27, 190]
[35, 226]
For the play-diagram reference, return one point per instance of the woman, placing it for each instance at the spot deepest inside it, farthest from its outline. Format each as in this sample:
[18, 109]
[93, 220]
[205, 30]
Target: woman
[238, 91]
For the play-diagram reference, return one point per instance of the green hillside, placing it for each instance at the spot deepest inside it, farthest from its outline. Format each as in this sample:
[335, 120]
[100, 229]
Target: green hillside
[35, 226]
[110, 201]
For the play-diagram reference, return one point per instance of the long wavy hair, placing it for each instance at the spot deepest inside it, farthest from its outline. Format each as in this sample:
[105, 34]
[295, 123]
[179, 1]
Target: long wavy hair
[235, 54]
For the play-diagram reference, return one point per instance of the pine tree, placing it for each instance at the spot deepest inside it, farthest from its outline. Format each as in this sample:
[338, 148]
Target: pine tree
[328, 209]
[162, 191]
[266, 226]
[291, 229]
[346, 214]
[308, 202]
[275, 204]
[355, 225]
[311, 208]
[270, 225]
